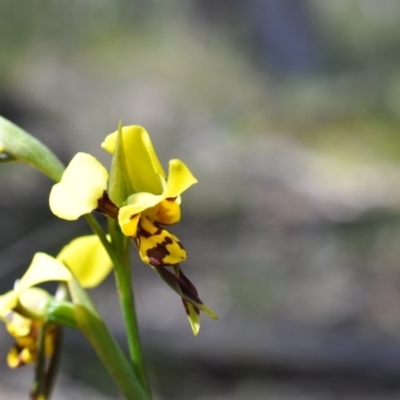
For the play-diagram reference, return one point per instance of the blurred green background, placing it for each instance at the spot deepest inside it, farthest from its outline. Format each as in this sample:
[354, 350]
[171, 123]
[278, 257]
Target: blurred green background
[288, 113]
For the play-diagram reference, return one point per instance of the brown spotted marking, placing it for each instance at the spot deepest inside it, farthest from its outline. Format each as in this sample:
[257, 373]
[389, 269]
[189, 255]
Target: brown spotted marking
[158, 253]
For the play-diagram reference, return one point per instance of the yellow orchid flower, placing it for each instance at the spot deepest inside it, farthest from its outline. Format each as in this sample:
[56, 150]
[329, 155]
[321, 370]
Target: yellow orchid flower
[156, 198]
[82, 189]
[84, 258]
[153, 204]
[26, 331]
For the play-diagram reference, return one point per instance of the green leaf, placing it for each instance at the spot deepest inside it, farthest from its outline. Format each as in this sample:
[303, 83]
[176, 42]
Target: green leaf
[18, 145]
[104, 344]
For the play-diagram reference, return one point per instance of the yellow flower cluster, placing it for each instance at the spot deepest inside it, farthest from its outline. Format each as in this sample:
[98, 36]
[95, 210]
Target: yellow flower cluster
[23, 309]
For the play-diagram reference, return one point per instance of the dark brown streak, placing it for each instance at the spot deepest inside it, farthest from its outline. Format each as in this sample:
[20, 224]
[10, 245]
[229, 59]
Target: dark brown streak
[159, 252]
[107, 207]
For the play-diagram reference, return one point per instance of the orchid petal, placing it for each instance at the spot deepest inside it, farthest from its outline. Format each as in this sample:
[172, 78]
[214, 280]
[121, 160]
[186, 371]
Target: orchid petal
[144, 168]
[43, 268]
[35, 300]
[157, 246]
[81, 186]
[128, 221]
[87, 259]
[8, 301]
[193, 314]
[17, 325]
[179, 179]
[169, 213]
[139, 202]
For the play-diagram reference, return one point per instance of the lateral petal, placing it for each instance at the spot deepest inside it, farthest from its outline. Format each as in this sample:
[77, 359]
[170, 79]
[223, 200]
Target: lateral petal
[87, 259]
[179, 179]
[81, 186]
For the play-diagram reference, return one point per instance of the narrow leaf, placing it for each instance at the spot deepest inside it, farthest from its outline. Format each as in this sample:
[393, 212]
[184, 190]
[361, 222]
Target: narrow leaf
[18, 145]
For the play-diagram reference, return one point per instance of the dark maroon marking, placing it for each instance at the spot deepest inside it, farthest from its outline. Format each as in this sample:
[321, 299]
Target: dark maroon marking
[147, 234]
[186, 307]
[158, 253]
[188, 290]
[188, 282]
[106, 206]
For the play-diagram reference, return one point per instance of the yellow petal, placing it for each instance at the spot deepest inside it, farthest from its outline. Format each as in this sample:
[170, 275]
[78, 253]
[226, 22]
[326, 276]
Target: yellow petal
[43, 268]
[144, 168]
[17, 325]
[139, 202]
[179, 179]
[87, 260]
[169, 213]
[157, 246]
[13, 358]
[193, 314]
[128, 221]
[81, 186]
[35, 300]
[7, 302]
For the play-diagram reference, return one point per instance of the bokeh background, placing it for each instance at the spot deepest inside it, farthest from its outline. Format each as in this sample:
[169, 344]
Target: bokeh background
[288, 113]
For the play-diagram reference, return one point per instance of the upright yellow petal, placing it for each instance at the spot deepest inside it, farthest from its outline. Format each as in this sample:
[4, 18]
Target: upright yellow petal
[179, 179]
[86, 257]
[43, 268]
[81, 186]
[144, 168]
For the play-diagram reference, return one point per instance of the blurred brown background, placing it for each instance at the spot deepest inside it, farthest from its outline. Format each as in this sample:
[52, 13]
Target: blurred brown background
[288, 113]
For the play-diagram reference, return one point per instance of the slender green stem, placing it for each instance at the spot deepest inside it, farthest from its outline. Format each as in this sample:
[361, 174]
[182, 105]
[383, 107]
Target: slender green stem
[123, 279]
[127, 302]
[105, 345]
[38, 391]
[54, 363]
[55, 360]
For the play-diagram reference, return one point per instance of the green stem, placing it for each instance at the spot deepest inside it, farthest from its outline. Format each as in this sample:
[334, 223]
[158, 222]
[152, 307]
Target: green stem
[54, 363]
[105, 345]
[127, 302]
[38, 391]
[55, 360]
[123, 280]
